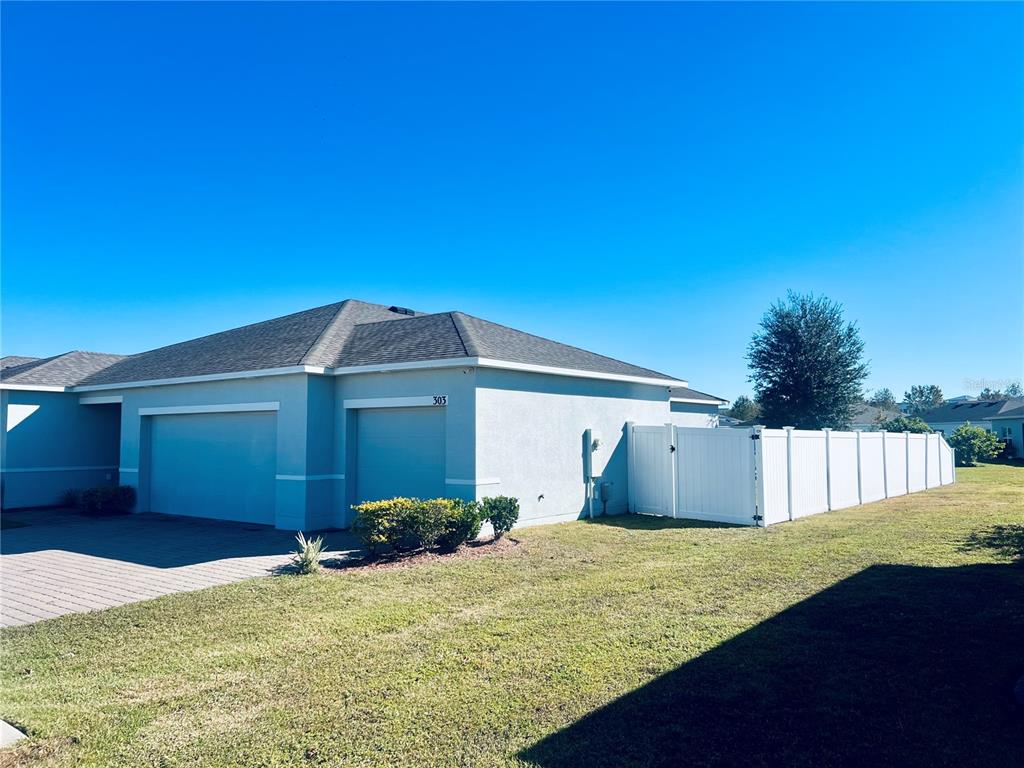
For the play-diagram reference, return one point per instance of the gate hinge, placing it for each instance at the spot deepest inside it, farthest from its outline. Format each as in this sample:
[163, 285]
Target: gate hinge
[755, 436]
[758, 517]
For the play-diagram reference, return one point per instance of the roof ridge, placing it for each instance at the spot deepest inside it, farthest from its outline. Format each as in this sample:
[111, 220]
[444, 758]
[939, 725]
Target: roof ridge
[321, 340]
[417, 316]
[464, 332]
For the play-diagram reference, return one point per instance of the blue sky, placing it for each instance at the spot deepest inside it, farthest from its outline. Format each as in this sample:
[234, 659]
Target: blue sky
[639, 180]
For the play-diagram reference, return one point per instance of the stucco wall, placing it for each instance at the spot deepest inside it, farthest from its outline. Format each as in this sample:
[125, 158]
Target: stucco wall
[59, 446]
[530, 438]
[693, 415]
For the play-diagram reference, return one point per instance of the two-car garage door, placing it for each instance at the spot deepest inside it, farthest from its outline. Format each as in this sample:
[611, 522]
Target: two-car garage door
[219, 465]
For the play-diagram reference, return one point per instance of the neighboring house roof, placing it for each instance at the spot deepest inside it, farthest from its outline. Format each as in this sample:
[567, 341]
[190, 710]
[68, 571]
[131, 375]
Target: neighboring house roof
[870, 414]
[356, 333]
[978, 410]
[13, 360]
[66, 370]
[687, 395]
[1012, 409]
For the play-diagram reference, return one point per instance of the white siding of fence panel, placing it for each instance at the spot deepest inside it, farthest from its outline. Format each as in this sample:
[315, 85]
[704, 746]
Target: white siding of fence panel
[809, 486]
[872, 471]
[917, 457]
[715, 474]
[946, 457]
[843, 463]
[651, 472]
[933, 461]
[776, 491]
[896, 463]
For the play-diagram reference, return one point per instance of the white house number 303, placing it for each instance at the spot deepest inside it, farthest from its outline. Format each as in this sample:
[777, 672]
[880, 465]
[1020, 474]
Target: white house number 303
[440, 399]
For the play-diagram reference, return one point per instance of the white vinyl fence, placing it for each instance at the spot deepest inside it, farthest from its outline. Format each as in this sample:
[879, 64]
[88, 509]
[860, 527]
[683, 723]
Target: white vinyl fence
[763, 476]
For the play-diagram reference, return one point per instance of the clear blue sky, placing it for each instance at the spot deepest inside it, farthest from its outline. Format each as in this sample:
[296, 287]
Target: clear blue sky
[640, 180]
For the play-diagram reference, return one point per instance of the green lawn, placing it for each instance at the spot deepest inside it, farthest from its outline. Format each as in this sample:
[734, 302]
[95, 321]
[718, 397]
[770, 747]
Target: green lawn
[885, 635]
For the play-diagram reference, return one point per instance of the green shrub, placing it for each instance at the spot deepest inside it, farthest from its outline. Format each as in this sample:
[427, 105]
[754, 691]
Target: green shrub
[378, 523]
[108, 500]
[972, 443]
[461, 525]
[405, 524]
[421, 525]
[502, 512]
[906, 424]
[307, 556]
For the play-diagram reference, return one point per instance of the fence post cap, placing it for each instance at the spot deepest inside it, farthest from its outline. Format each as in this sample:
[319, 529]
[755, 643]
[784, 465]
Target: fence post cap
[790, 428]
[826, 429]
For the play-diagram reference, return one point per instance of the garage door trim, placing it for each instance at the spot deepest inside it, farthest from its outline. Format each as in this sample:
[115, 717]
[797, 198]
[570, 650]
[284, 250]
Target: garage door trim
[170, 410]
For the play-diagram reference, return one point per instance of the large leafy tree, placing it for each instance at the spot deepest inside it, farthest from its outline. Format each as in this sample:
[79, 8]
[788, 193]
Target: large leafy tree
[923, 397]
[1012, 390]
[807, 364]
[744, 408]
[882, 398]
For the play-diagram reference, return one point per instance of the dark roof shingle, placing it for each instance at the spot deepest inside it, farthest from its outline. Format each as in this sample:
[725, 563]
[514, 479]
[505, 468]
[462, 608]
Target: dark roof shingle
[354, 333]
[67, 370]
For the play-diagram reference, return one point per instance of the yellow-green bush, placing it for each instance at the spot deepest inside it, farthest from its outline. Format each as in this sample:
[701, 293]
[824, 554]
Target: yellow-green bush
[405, 524]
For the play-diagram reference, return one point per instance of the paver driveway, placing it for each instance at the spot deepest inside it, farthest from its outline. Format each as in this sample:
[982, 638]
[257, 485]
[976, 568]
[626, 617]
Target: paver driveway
[62, 562]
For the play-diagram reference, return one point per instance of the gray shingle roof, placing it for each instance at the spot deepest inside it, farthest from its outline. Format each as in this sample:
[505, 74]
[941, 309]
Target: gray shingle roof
[65, 370]
[11, 361]
[352, 333]
[449, 335]
[311, 337]
[692, 394]
[978, 410]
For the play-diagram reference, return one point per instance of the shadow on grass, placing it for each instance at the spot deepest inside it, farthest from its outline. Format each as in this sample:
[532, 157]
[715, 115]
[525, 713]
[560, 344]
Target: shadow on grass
[895, 666]
[1006, 540]
[655, 522]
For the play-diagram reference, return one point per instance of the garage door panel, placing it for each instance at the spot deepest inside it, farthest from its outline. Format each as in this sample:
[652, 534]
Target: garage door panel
[219, 465]
[400, 452]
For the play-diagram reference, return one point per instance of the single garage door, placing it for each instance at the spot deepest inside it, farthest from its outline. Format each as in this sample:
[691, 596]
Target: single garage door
[400, 452]
[219, 465]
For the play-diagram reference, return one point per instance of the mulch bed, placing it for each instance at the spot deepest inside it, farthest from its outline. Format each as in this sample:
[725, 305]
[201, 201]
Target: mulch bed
[393, 560]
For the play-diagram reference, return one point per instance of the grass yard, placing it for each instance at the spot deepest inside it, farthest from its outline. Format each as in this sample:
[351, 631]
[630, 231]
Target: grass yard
[890, 634]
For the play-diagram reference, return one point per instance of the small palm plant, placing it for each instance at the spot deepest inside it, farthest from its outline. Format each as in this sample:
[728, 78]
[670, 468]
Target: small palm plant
[307, 556]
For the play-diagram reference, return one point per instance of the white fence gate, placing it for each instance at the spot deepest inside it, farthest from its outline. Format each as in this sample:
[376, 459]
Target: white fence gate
[764, 476]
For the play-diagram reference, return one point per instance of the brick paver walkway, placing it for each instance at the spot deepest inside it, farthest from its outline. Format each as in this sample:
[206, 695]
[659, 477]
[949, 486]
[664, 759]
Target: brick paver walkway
[62, 562]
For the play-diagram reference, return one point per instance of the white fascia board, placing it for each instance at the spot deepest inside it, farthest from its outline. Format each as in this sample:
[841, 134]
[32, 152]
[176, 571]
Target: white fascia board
[33, 388]
[170, 410]
[101, 400]
[315, 369]
[697, 401]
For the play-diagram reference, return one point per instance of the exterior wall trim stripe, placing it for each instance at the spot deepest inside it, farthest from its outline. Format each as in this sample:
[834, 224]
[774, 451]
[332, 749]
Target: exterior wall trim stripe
[305, 478]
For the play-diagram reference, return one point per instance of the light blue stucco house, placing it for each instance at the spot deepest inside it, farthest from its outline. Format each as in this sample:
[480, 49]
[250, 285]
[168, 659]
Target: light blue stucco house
[289, 422]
